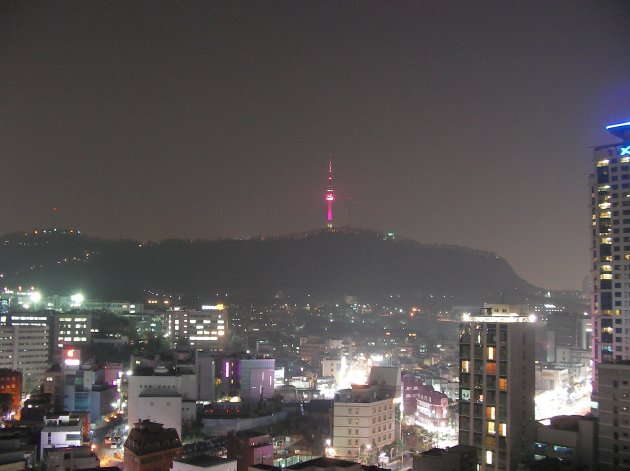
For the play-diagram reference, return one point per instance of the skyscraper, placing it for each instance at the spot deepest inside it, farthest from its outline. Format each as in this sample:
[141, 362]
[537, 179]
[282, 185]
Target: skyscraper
[610, 203]
[497, 385]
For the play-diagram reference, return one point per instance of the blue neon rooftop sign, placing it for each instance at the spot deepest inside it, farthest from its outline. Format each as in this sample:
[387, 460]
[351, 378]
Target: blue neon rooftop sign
[617, 125]
[624, 150]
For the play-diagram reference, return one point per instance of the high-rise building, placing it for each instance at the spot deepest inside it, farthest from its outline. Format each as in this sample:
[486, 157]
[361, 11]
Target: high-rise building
[610, 204]
[497, 386]
[25, 348]
[614, 416]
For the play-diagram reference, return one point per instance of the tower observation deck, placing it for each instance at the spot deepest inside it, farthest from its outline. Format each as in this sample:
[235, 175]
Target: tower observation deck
[329, 197]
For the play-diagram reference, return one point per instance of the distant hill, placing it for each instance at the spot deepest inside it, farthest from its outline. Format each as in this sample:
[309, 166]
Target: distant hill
[323, 264]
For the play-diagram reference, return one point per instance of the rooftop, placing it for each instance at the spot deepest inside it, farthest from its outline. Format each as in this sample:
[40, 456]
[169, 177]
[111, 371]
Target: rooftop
[204, 461]
[151, 437]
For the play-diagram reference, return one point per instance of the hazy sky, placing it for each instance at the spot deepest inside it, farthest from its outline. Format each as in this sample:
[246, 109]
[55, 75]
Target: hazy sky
[449, 122]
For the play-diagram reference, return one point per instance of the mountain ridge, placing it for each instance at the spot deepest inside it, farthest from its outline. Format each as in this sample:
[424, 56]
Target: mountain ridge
[321, 263]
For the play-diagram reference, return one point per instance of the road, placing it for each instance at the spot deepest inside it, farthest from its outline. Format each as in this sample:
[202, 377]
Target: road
[104, 452]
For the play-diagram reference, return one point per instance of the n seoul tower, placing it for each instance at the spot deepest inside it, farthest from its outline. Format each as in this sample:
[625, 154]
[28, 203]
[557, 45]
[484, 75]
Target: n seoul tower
[329, 197]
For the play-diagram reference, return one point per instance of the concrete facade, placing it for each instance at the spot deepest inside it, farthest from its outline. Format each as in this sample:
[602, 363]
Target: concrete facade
[497, 387]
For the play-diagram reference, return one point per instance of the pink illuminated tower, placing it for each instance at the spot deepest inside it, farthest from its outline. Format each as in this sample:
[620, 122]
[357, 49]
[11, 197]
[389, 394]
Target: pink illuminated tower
[329, 197]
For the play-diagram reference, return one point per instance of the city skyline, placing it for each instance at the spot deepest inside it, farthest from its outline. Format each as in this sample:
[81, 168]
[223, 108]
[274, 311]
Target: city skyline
[452, 123]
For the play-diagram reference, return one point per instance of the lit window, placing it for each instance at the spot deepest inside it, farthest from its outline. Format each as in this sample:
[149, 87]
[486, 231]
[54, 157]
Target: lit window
[491, 368]
[465, 366]
[602, 163]
[488, 457]
[490, 412]
[490, 353]
[503, 429]
[491, 429]
[503, 384]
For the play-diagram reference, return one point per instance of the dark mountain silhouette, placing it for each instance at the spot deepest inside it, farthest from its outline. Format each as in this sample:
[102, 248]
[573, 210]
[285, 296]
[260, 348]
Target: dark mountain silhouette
[323, 264]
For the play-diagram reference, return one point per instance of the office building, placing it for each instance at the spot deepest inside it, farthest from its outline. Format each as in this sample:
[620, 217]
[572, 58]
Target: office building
[72, 328]
[610, 205]
[25, 348]
[614, 416]
[204, 329]
[497, 385]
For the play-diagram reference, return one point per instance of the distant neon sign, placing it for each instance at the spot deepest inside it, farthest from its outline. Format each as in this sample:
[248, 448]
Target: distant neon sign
[624, 150]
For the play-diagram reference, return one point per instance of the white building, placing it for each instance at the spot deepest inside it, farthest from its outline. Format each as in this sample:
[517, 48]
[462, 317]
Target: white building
[163, 407]
[164, 388]
[25, 348]
[62, 431]
[333, 367]
[362, 420]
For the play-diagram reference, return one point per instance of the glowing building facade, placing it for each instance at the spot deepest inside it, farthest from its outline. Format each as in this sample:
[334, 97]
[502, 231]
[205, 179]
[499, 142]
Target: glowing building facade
[610, 204]
[204, 329]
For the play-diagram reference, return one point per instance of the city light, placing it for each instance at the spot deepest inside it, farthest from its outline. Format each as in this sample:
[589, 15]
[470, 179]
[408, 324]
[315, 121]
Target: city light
[77, 299]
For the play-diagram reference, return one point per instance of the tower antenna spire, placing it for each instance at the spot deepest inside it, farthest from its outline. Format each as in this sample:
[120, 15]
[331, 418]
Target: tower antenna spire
[329, 197]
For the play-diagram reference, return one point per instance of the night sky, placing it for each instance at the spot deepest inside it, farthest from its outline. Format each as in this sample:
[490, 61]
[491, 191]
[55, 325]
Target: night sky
[462, 122]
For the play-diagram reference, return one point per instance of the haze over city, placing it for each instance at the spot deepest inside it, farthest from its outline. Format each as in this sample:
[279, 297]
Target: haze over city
[314, 236]
[447, 122]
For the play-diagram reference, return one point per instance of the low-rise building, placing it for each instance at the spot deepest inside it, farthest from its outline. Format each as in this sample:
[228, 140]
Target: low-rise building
[571, 439]
[249, 448]
[62, 431]
[10, 391]
[204, 463]
[459, 457]
[151, 447]
[432, 407]
[69, 458]
[362, 418]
